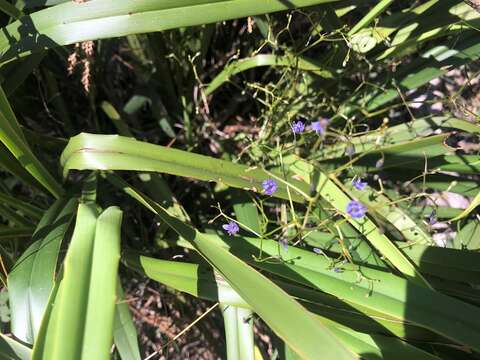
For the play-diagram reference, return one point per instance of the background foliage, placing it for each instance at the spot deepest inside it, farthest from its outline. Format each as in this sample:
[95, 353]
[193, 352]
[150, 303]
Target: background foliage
[134, 133]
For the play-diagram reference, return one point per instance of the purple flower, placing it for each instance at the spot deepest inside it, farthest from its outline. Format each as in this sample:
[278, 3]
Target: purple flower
[356, 209]
[284, 243]
[317, 251]
[337, 270]
[269, 186]
[318, 127]
[231, 228]
[298, 127]
[359, 184]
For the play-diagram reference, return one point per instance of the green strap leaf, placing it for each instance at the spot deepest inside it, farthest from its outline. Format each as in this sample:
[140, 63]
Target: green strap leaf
[31, 279]
[98, 338]
[113, 152]
[87, 289]
[65, 315]
[72, 22]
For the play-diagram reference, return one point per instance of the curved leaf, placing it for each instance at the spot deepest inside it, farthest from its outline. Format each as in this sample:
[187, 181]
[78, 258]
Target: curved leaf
[113, 152]
[72, 22]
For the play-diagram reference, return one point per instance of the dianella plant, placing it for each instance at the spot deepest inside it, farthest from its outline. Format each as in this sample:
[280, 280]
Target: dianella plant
[313, 165]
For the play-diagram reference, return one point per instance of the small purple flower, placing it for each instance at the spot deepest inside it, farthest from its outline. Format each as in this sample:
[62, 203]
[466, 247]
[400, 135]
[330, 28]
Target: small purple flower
[359, 184]
[318, 127]
[269, 186]
[298, 127]
[231, 228]
[284, 243]
[337, 270]
[356, 209]
[317, 251]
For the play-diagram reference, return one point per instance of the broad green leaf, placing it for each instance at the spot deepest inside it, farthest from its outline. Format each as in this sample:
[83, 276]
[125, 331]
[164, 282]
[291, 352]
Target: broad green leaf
[386, 298]
[72, 22]
[31, 279]
[98, 337]
[453, 19]
[462, 266]
[81, 321]
[202, 282]
[381, 6]
[442, 212]
[71, 306]
[112, 152]
[408, 154]
[374, 347]
[363, 288]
